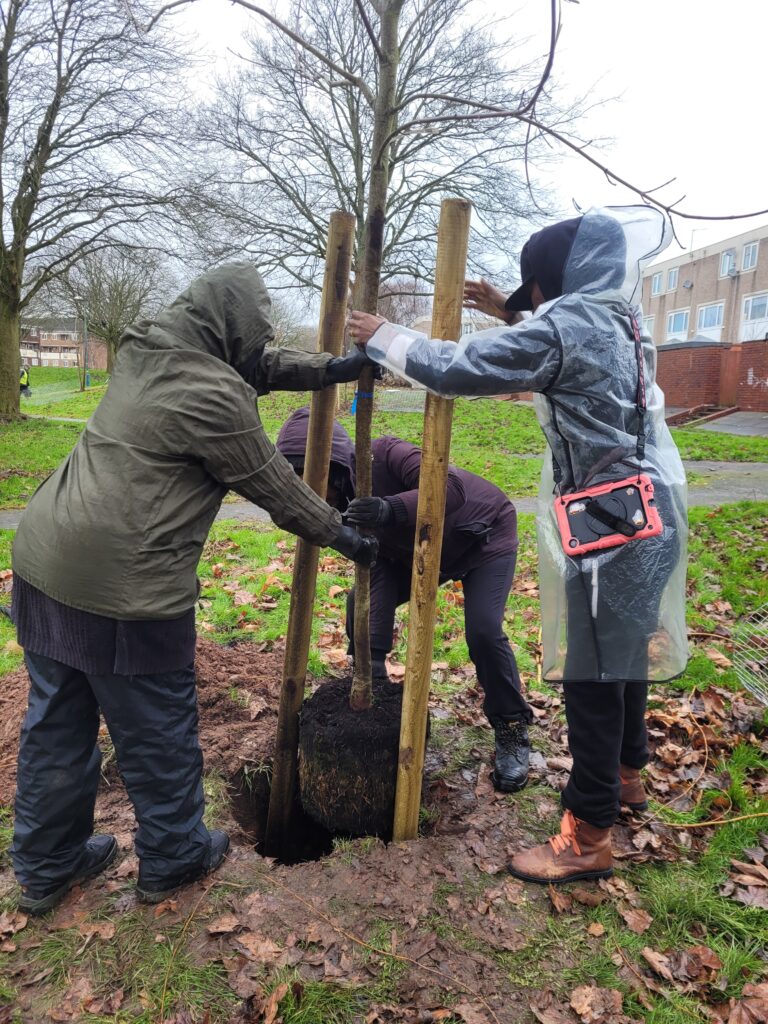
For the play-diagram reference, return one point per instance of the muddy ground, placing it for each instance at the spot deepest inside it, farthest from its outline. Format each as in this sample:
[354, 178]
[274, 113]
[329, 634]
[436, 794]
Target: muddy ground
[455, 937]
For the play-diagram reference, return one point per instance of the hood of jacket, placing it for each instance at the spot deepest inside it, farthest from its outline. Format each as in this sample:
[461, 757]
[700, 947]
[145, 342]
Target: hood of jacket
[225, 313]
[292, 443]
[611, 249]
[601, 254]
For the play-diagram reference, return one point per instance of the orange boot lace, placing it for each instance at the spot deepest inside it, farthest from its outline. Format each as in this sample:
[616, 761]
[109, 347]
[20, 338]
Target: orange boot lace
[567, 836]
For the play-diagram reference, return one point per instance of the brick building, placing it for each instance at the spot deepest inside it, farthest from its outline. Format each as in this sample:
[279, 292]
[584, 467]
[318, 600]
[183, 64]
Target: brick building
[719, 293]
[58, 341]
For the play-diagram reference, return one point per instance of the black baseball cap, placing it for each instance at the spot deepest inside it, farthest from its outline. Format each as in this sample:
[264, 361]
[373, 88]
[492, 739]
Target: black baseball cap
[543, 260]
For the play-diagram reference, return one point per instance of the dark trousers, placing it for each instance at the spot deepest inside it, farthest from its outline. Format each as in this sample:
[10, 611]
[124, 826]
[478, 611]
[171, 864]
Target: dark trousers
[486, 589]
[606, 728]
[152, 720]
[606, 718]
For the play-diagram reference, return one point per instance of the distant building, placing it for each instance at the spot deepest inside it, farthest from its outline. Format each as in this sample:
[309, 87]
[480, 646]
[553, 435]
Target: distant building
[717, 293]
[50, 341]
[58, 341]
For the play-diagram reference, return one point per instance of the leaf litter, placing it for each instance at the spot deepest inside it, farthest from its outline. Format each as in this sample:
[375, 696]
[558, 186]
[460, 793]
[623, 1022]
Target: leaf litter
[449, 907]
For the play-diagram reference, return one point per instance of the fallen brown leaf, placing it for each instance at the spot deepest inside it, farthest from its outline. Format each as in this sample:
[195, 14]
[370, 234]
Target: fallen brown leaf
[752, 1008]
[638, 920]
[273, 1004]
[258, 947]
[561, 901]
[658, 962]
[224, 925]
[104, 929]
[597, 1005]
[596, 929]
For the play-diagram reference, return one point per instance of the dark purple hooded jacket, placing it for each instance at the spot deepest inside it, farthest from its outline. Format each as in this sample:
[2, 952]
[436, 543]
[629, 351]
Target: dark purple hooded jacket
[480, 521]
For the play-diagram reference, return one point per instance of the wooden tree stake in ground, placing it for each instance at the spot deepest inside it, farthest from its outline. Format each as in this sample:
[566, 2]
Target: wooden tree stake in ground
[452, 243]
[333, 312]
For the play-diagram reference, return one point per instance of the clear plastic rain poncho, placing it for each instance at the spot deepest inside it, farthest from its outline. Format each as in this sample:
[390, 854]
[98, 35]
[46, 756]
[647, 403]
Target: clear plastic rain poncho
[616, 614]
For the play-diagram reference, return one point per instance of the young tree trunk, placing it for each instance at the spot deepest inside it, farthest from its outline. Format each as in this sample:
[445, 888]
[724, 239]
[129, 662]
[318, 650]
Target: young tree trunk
[9, 360]
[366, 299]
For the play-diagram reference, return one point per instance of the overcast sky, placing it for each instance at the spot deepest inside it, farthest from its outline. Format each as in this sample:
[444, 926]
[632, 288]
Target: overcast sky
[687, 82]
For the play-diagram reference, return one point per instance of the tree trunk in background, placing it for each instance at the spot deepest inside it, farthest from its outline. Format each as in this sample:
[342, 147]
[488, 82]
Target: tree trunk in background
[366, 298]
[9, 360]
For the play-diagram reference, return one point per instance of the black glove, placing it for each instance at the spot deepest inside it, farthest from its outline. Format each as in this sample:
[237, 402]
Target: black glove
[354, 545]
[371, 513]
[343, 369]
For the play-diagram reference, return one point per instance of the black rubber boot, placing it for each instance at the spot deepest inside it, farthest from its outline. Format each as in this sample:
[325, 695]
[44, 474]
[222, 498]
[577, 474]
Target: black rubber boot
[156, 892]
[379, 670]
[100, 851]
[513, 751]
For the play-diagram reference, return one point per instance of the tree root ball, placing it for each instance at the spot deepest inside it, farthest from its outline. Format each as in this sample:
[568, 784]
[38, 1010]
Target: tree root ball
[348, 759]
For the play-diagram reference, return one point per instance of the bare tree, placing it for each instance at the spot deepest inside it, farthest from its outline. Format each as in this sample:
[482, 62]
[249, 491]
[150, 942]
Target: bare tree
[289, 330]
[113, 288]
[299, 136]
[403, 300]
[85, 97]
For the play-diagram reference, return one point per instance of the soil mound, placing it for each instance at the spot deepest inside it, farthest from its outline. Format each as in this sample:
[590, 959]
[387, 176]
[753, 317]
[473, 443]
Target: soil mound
[238, 686]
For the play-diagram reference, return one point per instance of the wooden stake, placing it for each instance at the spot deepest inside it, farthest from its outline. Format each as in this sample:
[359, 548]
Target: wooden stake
[452, 242]
[333, 312]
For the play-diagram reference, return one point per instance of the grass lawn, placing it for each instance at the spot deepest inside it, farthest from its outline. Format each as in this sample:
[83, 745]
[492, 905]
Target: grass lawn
[487, 436]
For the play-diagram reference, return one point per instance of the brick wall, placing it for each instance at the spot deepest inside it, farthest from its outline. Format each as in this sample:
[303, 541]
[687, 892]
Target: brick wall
[689, 375]
[707, 373]
[752, 391]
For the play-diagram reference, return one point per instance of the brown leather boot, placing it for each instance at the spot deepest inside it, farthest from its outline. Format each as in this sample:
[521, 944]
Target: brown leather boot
[580, 851]
[632, 790]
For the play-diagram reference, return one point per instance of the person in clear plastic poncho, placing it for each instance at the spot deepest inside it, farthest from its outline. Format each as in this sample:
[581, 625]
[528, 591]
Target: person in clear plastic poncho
[613, 620]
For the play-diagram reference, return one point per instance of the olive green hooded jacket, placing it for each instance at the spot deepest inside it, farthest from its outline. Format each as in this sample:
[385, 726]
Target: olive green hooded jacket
[119, 527]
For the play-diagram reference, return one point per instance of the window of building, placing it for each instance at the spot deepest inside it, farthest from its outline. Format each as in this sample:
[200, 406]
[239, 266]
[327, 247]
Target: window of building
[710, 316]
[656, 284]
[756, 307]
[727, 263]
[648, 325]
[672, 279]
[677, 325]
[749, 259]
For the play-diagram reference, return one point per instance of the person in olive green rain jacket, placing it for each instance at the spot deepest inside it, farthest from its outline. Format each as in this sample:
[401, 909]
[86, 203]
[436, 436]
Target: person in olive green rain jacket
[105, 584]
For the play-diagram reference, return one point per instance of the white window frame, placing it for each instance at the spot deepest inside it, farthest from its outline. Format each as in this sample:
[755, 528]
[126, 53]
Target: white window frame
[648, 325]
[730, 255]
[748, 299]
[750, 247]
[710, 305]
[676, 312]
[656, 283]
[672, 278]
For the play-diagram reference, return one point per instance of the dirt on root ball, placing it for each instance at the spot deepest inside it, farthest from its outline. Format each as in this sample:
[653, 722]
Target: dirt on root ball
[348, 759]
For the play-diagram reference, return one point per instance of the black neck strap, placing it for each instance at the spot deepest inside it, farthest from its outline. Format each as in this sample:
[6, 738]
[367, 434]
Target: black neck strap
[640, 397]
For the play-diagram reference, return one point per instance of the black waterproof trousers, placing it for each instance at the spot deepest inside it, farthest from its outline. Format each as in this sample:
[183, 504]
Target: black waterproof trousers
[606, 719]
[152, 720]
[606, 728]
[486, 589]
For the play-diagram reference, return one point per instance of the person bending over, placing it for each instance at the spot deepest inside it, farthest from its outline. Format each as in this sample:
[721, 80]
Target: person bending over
[479, 548]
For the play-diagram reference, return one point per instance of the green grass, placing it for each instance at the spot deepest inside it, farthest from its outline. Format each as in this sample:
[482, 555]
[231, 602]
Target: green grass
[698, 445]
[158, 976]
[29, 452]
